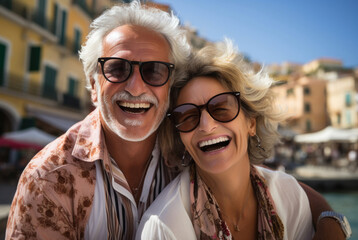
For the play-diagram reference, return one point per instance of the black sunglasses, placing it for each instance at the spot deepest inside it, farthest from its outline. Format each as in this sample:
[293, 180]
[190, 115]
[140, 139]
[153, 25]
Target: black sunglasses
[223, 107]
[117, 70]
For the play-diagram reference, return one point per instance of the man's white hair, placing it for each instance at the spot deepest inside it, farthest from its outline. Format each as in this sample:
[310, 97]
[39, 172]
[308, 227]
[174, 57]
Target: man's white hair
[133, 14]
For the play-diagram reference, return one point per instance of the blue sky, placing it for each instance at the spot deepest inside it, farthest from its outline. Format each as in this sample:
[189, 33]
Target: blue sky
[275, 31]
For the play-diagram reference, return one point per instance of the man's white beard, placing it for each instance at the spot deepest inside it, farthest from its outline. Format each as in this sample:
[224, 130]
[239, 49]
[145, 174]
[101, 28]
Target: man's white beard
[121, 130]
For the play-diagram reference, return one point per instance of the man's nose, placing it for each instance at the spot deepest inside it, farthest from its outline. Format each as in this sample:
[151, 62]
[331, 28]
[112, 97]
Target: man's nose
[207, 123]
[135, 84]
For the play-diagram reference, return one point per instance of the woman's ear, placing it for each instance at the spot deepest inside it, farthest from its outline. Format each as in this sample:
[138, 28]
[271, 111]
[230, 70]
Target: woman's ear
[252, 126]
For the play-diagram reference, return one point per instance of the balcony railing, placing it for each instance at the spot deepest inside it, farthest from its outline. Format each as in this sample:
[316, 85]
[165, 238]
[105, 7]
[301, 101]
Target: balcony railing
[17, 86]
[83, 5]
[28, 14]
[71, 101]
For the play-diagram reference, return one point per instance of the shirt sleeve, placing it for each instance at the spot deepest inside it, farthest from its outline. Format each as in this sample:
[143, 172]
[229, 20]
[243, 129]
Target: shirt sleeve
[49, 206]
[35, 215]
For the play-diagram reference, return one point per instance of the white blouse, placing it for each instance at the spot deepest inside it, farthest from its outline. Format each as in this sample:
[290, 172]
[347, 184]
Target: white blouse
[169, 215]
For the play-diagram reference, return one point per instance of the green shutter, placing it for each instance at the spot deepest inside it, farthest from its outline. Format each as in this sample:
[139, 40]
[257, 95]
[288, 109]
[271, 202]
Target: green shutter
[2, 63]
[55, 18]
[41, 11]
[63, 28]
[348, 100]
[72, 87]
[35, 58]
[49, 87]
[77, 42]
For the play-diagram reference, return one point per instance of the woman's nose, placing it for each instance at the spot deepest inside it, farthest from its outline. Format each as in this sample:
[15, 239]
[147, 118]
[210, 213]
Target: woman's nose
[207, 123]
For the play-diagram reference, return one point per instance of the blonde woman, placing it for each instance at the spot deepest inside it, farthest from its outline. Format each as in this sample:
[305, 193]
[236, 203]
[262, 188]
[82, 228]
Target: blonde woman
[222, 124]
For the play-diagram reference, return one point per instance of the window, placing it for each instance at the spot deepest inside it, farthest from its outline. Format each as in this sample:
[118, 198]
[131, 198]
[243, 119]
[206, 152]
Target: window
[63, 27]
[70, 98]
[49, 87]
[307, 107]
[35, 58]
[77, 42]
[289, 91]
[72, 87]
[308, 125]
[348, 100]
[2, 63]
[8, 4]
[306, 91]
[349, 118]
[40, 13]
[55, 19]
[339, 118]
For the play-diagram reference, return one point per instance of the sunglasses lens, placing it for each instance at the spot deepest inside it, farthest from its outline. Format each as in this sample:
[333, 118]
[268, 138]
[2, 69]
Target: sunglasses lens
[186, 117]
[155, 73]
[224, 107]
[116, 70]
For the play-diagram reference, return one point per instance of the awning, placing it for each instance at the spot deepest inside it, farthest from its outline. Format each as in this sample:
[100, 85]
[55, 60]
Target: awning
[57, 118]
[18, 145]
[62, 124]
[27, 138]
[329, 134]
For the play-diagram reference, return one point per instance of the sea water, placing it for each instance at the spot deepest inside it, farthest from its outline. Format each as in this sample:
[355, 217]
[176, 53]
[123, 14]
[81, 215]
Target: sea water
[347, 204]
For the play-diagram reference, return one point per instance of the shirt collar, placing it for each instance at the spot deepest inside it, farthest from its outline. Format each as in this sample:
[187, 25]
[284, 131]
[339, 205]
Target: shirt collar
[90, 143]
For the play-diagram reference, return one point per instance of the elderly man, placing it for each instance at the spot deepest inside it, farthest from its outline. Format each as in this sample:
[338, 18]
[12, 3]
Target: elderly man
[96, 180]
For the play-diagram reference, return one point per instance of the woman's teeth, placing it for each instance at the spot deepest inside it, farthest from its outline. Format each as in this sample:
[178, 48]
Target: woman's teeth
[214, 144]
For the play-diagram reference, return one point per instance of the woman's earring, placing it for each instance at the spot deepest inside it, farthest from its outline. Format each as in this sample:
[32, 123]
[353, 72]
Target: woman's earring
[258, 145]
[184, 160]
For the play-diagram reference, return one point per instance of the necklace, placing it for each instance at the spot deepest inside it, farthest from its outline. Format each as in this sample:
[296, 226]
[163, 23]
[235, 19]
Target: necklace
[236, 225]
[135, 190]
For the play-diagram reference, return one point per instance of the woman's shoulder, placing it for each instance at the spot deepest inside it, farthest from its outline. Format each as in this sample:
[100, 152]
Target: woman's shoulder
[277, 177]
[291, 203]
[286, 192]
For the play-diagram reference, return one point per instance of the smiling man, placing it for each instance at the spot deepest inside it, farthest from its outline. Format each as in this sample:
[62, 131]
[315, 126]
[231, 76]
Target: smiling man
[96, 180]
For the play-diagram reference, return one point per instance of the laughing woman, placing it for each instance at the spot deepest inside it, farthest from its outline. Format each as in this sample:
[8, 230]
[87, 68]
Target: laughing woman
[222, 124]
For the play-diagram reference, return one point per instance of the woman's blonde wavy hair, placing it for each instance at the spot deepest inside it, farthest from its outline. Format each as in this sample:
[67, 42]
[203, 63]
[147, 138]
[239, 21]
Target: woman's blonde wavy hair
[222, 62]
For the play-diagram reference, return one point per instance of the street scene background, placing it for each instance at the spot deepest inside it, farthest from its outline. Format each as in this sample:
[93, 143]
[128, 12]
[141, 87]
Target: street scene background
[308, 47]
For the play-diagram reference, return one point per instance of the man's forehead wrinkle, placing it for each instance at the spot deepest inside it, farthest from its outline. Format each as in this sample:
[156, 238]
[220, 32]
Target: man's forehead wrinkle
[120, 42]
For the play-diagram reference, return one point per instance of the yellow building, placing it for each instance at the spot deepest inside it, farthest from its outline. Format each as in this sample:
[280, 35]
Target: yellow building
[42, 82]
[305, 102]
[314, 104]
[341, 103]
[322, 63]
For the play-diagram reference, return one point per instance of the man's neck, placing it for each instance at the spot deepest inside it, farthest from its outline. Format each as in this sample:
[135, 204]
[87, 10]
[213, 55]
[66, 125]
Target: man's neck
[129, 155]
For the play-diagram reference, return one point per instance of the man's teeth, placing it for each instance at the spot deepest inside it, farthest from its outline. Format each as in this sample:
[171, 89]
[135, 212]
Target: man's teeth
[213, 141]
[134, 105]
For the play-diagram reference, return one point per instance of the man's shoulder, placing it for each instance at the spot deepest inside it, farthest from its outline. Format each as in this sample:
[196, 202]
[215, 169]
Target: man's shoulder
[55, 188]
[56, 160]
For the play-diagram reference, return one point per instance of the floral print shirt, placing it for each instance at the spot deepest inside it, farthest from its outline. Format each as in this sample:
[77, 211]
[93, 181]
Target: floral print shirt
[56, 190]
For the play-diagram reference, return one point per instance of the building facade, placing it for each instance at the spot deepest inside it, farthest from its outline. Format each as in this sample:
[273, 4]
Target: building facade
[322, 93]
[304, 101]
[42, 82]
[341, 103]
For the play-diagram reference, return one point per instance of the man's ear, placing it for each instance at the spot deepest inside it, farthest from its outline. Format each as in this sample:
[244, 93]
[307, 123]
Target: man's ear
[94, 97]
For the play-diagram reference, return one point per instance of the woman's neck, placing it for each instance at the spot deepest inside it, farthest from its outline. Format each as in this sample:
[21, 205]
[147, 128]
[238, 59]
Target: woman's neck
[231, 184]
[232, 189]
